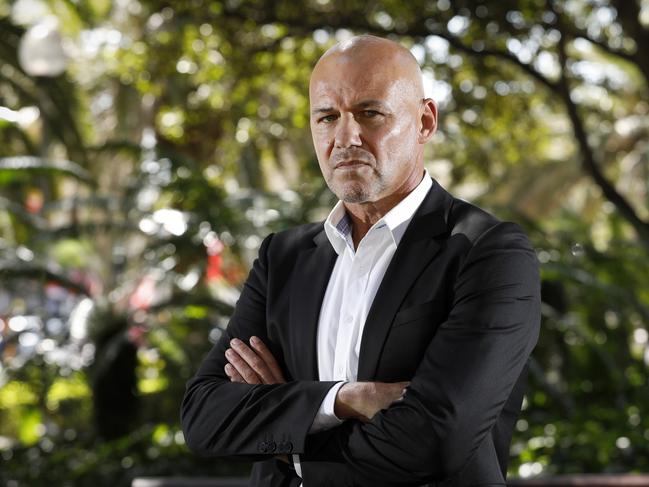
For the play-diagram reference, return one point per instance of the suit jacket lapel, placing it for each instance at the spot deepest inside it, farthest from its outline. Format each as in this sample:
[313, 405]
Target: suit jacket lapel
[416, 249]
[312, 272]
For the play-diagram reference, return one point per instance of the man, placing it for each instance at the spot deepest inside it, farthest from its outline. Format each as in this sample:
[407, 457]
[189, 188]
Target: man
[387, 345]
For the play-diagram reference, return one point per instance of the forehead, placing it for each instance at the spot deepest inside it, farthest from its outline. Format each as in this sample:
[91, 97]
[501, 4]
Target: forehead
[341, 81]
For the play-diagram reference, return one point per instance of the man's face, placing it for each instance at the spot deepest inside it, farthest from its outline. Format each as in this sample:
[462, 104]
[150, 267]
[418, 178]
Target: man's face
[364, 124]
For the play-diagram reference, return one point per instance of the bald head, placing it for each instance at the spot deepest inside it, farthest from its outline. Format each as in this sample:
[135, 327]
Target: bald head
[371, 54]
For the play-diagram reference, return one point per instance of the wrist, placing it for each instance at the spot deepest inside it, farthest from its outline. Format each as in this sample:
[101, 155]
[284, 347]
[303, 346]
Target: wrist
[345, 400]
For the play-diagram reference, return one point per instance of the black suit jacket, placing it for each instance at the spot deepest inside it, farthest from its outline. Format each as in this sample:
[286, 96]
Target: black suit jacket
[457, 314]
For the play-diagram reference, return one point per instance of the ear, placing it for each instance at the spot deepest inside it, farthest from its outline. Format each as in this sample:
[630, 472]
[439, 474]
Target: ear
[428, 120]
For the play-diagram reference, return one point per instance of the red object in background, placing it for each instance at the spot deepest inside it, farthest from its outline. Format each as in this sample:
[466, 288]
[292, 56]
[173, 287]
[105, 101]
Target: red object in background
[213, 270]
[214, 247]
[142, 297]
[137, 335]
[34, 200]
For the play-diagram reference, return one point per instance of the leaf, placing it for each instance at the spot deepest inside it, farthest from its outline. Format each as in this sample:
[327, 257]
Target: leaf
[37, 164]
[30, 426]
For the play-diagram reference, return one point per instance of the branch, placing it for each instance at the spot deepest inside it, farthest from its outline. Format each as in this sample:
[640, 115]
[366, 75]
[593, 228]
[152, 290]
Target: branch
[501, 54]
[416, 30]
[629, 16]
[588, 157]
[575, 32]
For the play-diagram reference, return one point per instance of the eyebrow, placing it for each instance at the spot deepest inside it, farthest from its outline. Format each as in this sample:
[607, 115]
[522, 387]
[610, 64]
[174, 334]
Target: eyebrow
[322, 110]
[370, 103]
[360, 104]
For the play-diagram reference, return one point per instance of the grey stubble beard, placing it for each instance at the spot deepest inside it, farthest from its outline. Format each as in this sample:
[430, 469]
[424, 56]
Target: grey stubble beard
[358, 193]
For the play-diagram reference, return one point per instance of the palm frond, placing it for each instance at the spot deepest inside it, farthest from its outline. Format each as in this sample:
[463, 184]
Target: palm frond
[18, 269]
[37, 164]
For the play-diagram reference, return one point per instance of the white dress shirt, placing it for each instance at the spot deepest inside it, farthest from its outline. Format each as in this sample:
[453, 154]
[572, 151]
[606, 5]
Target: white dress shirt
[355, 278]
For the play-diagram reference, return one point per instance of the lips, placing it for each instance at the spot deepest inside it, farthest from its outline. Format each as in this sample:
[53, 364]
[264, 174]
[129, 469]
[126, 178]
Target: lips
[350, 163]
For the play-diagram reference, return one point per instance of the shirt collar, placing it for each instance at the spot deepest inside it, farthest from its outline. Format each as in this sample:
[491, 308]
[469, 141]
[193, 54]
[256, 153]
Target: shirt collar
[338, 225]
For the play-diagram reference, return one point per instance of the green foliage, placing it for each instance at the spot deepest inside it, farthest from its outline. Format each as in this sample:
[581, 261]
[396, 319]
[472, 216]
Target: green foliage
[66, 460]
[180, 130]
[589, 372]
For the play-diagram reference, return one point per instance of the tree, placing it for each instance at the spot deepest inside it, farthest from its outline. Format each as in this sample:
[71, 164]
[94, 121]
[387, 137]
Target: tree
[196, 113]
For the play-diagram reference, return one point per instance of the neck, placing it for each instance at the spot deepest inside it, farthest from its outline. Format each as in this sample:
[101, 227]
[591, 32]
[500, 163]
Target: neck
[364, 215]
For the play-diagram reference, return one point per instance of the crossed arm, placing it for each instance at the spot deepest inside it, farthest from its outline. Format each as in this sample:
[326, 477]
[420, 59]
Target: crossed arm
[255, 364]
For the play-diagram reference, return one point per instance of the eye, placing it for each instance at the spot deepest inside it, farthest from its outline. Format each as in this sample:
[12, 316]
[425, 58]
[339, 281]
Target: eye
[371, 113]
[327, 118]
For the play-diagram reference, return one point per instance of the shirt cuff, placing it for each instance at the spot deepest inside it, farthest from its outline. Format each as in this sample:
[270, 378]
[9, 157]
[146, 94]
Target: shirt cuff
[325, 418]
[296, 465]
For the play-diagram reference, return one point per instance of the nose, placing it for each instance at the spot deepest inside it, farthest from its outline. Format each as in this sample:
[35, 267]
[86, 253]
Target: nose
[348, 132]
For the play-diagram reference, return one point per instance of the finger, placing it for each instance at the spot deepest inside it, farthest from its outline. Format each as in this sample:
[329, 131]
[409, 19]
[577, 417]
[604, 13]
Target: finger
[262, 350]
[245, 371]
[233, 374]
[395, 391]
[254, 361]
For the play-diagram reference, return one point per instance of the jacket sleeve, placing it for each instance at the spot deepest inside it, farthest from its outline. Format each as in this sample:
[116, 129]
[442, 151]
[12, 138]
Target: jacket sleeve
[464, 379]
[221, 418]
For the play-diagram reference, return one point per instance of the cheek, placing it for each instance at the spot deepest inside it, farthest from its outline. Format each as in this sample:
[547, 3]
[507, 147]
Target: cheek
[398, 143]
[321, 137]
[322, 147]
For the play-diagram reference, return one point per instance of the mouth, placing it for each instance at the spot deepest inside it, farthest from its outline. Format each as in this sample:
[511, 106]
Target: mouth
[351, 164]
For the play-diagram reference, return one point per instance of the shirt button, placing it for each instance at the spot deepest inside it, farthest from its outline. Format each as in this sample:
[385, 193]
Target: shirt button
[349, 318]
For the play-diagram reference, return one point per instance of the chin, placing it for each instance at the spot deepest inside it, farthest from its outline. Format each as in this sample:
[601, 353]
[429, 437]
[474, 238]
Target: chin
[354, 198]
[356, 194]
[354, 191]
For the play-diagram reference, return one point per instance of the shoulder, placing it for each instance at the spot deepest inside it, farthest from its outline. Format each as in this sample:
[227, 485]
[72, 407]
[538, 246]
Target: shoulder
[488, 249]
[293, 239]
[479, 227]
[469, 220]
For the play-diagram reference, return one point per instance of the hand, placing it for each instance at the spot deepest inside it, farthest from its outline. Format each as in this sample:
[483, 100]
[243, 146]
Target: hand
[252, 365]
[362, 400]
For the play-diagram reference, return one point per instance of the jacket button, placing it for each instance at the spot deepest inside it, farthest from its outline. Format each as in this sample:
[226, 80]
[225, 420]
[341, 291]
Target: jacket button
[285, 447]
[262, 447]
[272, 446]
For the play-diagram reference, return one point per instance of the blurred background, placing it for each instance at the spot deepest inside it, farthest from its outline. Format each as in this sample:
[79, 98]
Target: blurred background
[146, 148]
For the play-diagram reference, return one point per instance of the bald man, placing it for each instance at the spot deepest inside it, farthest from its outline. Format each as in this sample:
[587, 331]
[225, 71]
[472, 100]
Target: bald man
[387, 345]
